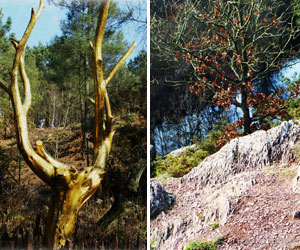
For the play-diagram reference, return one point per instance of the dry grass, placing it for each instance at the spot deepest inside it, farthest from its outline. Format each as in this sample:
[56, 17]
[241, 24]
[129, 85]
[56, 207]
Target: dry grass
[23, 208]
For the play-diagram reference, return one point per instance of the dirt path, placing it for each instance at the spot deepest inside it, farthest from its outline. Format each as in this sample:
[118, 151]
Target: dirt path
[264, 218]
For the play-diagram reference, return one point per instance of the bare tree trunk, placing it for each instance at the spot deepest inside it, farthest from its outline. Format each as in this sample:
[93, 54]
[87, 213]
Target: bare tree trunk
[71, 188]
[65, 205]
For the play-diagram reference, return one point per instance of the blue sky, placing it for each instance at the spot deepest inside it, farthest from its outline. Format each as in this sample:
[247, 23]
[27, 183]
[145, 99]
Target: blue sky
[290, 71]
[48, 24]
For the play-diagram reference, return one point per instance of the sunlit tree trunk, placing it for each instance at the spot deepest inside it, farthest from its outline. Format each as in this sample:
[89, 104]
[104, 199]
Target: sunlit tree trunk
[70, 187]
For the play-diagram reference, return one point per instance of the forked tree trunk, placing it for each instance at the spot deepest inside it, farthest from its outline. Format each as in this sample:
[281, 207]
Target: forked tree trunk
[66, 202]
[71, 188]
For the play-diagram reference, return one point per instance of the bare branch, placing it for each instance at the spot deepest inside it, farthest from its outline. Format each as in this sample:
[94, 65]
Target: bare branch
[26, 84]
[15, 42]
[5, 86]
[37, 163]
[135, 180]
[42, 152]
[120, 63]
[91, 45]
[20, 52]
[92, 101]
[33, 19]
[100, 28]
[99, 84]
[108, 122]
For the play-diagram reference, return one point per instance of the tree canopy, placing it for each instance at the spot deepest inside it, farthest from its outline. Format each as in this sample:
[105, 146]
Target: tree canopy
[227, 49]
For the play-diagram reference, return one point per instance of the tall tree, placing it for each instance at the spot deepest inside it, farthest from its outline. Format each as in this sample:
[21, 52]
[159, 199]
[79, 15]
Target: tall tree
[78, 29]
[71, 188]
[228, 47]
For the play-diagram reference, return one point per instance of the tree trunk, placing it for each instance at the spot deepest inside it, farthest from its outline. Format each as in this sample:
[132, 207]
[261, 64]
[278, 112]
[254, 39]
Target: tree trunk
[66, 201]
[71, 188]
[246, 114]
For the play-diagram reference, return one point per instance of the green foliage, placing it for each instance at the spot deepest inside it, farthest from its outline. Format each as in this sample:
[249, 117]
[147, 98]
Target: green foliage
[4, 29]
[179, 166]
[205, 245]
[128, 88]
[131, 117]
[215, 225]
[293, 109]
[210, 143]
[293, 104]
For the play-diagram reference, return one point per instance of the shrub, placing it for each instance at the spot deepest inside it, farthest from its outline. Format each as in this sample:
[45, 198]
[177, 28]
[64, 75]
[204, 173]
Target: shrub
[178, 166]
[205, 245]
[172, 166]
[215, 225]
[210, 144]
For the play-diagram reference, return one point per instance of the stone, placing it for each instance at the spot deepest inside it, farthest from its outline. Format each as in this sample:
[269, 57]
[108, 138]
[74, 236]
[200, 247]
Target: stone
[254, 151]
[296, 215]
[210, 191]
[160, 200]
[219, 206]
[296, 182]
[180, 152]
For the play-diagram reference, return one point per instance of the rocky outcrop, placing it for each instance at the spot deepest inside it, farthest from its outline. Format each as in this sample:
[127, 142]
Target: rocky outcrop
[210, 192]
[219, 204]
[179, 152]
[296, 182]
[253, 151]
[159, 199]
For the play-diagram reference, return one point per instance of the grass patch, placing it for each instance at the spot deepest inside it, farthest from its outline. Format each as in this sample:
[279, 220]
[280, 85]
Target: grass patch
[215, 225]
[205, 245]
[281, 171]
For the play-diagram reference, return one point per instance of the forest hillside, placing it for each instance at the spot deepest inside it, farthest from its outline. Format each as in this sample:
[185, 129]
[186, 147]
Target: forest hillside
[25, 198]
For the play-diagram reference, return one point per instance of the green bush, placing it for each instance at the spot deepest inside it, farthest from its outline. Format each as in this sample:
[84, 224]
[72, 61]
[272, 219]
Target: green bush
[131, 117]
[293, 104]
[215, 225]
[172, 166]
[205, 245]
[293, 109]
[209, 144]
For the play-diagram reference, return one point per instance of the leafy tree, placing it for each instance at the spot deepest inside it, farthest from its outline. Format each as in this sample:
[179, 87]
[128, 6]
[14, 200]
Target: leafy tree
[175, 115]
[4, 29]
[229, 47]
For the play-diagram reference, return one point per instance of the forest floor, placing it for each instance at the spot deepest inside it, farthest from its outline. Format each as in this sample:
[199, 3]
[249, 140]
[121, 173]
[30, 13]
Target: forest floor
[24, 223]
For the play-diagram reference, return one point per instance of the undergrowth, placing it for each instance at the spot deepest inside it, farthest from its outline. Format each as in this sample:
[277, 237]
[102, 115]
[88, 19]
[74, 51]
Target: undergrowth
[24, 206]
[205, 245]
[177, 166]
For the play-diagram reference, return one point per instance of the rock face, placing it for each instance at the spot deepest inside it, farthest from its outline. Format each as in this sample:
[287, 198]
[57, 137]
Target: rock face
[210, 192]
[254, 151]
[179, 152]
[159, 199]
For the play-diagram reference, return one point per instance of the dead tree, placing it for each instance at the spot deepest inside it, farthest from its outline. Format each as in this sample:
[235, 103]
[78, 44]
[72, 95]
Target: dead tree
[70, 187]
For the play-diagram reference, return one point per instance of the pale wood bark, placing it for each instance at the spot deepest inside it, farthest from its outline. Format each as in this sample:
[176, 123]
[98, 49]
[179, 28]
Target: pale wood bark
[70, 188]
